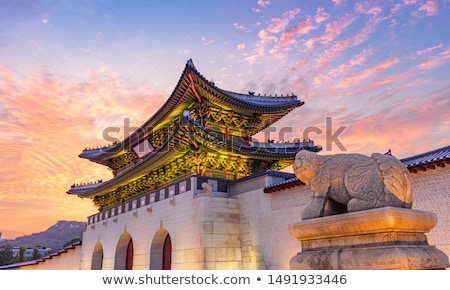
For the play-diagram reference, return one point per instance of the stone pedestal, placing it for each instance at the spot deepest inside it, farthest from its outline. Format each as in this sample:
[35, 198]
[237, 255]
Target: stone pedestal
[378, 239]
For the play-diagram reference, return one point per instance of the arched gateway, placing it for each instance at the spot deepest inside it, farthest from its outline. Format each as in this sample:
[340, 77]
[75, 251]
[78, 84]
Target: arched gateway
[161, 251]
[97, 257]
[124, 253]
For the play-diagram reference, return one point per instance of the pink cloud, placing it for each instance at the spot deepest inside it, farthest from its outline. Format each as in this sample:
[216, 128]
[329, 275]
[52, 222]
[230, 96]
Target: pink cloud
[291, 13]
[240, 27]
[365, 32]
[435, 61]
[277, 25]
[368, 73]
[361, 58]
[396, 8]
[381, 131]
[394, 80]
[265, 37]
[430, 8]
[332, 30]
[301, 28]
[344, 68]
[270, 34]
[409, 2]
[303, 62]
[321, 15]
[429, 49]
[340, 46]
[263, 3]
[327, 57]
[367, 8]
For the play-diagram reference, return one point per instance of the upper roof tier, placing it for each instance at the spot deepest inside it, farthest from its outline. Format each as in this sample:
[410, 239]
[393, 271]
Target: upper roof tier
[192, 88]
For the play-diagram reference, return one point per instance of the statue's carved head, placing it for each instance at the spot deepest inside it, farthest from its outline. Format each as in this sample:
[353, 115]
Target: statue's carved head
[306, 163]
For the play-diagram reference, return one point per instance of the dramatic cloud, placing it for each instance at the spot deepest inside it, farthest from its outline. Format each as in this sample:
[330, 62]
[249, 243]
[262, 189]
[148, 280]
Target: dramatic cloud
[377, 68]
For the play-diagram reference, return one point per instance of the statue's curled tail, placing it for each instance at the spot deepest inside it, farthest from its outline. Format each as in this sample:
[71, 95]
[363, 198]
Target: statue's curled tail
[396, 177]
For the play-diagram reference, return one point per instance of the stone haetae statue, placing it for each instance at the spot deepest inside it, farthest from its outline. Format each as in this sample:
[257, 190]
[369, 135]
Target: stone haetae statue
[352, 182]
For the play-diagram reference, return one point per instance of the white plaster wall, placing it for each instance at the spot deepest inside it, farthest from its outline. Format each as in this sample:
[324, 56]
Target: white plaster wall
[266, 242]
[68, 260]
[432, 193]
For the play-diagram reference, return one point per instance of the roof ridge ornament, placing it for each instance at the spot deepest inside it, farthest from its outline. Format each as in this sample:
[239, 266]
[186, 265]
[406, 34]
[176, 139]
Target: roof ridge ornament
[190, 63]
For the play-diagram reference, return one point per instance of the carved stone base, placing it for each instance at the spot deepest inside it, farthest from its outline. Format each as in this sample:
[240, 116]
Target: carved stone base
[378, 239]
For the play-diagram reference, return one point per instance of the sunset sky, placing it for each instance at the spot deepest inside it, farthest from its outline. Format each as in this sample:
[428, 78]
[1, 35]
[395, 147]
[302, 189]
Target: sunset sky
[71, 69]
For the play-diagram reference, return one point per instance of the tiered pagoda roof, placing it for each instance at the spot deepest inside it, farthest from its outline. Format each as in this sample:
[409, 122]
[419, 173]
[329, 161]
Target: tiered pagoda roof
[201, 130]
[193, 87]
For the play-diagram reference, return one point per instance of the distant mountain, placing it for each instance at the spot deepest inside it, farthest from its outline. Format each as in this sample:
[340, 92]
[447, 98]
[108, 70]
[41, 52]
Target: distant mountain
[54, 237]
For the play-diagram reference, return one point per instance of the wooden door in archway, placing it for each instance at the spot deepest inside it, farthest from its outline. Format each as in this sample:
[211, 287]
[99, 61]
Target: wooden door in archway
[167, 253]
[129, 257]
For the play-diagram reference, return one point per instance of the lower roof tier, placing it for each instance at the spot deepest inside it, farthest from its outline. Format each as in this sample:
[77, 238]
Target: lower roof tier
[193, 149]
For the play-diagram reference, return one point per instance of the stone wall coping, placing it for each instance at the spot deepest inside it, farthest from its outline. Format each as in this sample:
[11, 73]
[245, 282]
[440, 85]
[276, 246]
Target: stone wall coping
[386, 219]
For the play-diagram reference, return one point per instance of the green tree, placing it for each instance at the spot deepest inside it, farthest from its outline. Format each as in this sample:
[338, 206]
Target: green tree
[21, 256]
[6, 256]
[36, 255]
[71, 242]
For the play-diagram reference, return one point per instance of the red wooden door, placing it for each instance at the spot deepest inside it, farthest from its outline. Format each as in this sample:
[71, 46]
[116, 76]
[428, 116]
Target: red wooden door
[167, 253]
[130, 253]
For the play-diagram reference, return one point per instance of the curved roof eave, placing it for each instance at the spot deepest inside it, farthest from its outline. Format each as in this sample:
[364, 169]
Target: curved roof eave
[272, 151]
[173, 147]
[137, 170]
[440, 154]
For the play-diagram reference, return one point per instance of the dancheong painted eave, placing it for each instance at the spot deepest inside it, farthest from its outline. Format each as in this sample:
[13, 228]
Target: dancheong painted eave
[181, 143]
[193, 87]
